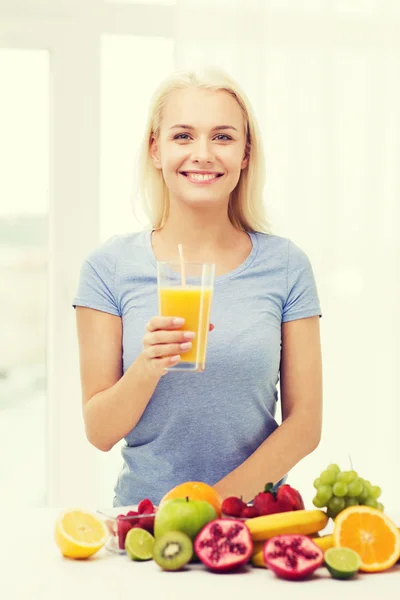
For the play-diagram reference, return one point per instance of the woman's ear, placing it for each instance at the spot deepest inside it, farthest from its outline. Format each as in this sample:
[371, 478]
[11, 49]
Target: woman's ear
[154, 153]
[245, 161]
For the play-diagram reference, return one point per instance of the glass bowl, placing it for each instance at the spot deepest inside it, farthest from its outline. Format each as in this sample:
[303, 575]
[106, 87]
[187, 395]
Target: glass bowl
[119, 522]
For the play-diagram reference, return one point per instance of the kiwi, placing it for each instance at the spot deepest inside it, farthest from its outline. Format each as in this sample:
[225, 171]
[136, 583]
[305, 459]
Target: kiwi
[173, 550]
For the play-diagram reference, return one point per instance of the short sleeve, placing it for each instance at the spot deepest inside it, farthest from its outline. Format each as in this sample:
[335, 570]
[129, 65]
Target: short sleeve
[302, 294]
[96, 285]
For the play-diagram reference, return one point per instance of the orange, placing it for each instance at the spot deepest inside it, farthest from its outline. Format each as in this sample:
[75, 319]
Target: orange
[196, 490]
[369, 532]
[79, 533]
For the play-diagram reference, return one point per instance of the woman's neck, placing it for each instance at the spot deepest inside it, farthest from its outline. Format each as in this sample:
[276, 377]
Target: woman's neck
[209, 231]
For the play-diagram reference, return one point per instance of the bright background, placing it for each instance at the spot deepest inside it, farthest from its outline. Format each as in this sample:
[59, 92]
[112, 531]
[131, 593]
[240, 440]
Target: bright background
[75, 80]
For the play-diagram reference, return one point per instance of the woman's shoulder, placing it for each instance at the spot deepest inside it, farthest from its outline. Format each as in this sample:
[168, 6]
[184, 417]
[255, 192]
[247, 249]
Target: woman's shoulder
[278, 243]
[118, 247]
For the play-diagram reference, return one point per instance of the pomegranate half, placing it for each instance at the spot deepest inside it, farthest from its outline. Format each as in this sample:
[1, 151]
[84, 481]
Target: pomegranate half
[224, 545]
[292, 556]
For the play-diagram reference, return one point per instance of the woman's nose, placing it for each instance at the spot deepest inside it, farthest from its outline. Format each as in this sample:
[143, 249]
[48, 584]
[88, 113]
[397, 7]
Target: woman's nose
[202, 151]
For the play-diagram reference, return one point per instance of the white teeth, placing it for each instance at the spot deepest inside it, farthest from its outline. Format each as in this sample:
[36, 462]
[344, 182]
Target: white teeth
[200, 176]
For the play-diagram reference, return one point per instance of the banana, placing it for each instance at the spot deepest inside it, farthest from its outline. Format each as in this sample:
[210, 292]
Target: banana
[257, 558]
[306, 522]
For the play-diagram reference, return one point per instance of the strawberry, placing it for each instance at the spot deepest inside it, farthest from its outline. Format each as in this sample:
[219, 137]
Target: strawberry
[292, 496]
[268, 503]
[233, 506]
[145, 505]
[249, 512]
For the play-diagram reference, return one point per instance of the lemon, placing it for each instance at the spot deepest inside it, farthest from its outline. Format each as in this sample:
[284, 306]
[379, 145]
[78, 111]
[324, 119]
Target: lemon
[79, 533]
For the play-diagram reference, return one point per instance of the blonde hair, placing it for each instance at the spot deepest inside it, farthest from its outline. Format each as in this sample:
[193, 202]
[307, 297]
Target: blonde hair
[246, 208]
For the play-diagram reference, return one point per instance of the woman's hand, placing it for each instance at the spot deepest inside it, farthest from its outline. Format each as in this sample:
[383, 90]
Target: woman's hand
[163, 343]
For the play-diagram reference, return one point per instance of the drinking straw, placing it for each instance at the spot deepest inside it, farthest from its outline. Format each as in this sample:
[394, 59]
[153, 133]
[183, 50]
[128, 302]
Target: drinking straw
[182, 264]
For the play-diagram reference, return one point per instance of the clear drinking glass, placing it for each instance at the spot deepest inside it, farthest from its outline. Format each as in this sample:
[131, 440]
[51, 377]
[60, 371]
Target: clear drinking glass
[185, 289]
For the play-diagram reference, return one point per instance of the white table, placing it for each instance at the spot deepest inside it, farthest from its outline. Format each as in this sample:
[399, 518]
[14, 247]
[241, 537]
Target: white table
[32, 568]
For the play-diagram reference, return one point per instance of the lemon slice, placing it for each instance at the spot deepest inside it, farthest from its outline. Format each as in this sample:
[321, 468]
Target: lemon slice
[79, 533]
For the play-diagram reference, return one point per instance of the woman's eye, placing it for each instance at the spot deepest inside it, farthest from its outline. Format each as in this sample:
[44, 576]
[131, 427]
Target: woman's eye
[179, 136]
[222, 135]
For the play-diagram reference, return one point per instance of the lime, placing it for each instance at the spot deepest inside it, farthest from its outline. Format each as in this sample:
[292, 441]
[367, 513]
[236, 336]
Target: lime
[342, 563]
[139, 544]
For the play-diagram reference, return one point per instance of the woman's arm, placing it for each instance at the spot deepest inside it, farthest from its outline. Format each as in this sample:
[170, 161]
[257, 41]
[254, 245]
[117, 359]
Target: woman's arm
[301, 398]
[112, 403]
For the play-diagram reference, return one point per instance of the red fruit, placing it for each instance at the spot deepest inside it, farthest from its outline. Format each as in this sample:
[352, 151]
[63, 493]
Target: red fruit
[147, 523]
[123, 526]
[224, 545]
[292, 556]
[132, 513]
[269, 502]
[292, 497]
[144, 505]
[249, 512]
[233, 506]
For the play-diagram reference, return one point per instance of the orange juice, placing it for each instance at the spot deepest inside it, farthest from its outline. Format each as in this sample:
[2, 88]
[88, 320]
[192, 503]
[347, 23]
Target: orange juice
[194, 305]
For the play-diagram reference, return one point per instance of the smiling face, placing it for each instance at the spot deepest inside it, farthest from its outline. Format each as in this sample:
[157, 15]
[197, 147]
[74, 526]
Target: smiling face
[201, 146]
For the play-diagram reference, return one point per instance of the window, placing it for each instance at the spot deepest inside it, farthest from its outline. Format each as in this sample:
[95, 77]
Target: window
[24, 111]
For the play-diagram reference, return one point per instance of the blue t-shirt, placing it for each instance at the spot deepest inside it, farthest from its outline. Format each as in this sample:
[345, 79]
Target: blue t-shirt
[201, 426]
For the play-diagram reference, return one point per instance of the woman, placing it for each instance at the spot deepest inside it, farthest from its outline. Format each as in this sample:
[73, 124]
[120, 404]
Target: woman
[202, 175]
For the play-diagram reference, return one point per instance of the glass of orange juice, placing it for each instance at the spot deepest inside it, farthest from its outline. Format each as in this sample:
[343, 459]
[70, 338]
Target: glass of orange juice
[185, 289]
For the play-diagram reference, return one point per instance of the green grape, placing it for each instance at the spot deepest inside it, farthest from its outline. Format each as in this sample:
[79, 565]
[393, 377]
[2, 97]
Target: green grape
[376, 491]
[324, 493]
[347, 477]
[317, 502]
[340, 489]
[317, 483]
[380, 506]
[336, 504]
[332, 514]
[340, 476]
[355, 488]
[350, 501]
[327, 477]
[371, 502]
[334, 468]
[368, 486]
[364, 494]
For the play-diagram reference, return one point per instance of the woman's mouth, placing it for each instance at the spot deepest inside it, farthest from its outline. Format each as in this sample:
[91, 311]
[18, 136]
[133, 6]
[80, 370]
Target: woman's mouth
[202, 178]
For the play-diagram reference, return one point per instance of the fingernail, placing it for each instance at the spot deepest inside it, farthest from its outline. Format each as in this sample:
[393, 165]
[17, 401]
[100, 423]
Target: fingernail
[186, 346]
[178, 321]
[175, 359]
[189, 335]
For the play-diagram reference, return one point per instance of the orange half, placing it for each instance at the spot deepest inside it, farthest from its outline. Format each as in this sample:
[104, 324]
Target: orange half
[369, 532]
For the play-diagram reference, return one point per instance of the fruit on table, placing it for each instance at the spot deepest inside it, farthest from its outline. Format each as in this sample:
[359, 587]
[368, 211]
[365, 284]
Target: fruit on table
[338, 489]
[257, 558]
[173, 550]
[292, 556]
[284, 499]
[183, 514]
[371, 534]
[304, 522]
[143, 517]
[224, 545]
[195, 490]
[233, 506]
[342, 563]
[139, 544]
[79, 533]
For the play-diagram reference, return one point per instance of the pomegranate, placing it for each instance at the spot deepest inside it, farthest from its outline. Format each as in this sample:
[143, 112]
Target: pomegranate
[224, 545]
[292, 556]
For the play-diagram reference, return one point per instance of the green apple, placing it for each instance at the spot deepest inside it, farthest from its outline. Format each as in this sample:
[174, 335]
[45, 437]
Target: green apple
[180, 514]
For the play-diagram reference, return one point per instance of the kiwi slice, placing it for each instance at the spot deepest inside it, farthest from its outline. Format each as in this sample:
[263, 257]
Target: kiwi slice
[173, 550]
